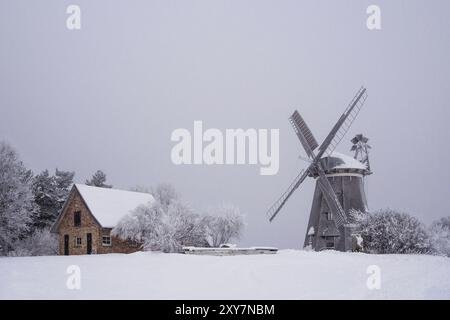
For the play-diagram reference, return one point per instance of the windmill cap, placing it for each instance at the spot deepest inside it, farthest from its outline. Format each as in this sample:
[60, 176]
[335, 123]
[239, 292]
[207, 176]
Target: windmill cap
[340, 163]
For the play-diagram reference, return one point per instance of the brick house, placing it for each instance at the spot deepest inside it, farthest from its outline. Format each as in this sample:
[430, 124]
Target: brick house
[88, 216]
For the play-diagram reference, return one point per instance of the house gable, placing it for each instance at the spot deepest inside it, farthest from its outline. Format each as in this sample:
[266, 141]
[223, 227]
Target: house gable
[74, 203]
[77, 233]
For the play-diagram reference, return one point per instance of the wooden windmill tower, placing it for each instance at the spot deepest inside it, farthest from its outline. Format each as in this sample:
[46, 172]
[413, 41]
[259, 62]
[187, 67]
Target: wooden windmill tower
[339, 186]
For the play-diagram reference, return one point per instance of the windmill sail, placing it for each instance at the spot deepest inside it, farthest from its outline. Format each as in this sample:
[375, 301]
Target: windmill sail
[332, 201]
[276, 207]
[343, 124]
[305, 135]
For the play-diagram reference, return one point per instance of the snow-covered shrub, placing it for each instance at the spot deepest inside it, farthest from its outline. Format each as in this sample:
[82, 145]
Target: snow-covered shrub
[389, 231]
[440, 236]
[41, 243]
[223, 224]
[16, 199]
[162, 228]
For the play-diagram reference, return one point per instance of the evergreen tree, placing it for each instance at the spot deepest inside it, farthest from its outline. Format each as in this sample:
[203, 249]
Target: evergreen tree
[98, 180]
[44, 197]
[50, 194]
[63, 183]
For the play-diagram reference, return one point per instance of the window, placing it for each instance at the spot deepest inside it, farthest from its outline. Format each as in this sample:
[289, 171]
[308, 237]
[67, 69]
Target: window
[330, 245]
[133, 243]
[328, 215]
[77, 219]
[106, 241]
[77, 242]
[329, 241]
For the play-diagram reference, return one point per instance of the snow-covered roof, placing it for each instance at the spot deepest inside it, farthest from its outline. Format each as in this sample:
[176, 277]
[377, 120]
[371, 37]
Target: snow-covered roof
[338, 160]
[110, 205]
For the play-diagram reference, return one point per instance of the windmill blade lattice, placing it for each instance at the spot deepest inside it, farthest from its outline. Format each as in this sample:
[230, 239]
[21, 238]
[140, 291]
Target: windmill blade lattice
[305, 135]
[276, 207]
[345, 121]
[332, 201]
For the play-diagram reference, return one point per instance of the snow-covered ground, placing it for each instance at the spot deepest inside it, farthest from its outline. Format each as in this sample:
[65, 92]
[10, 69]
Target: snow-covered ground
[290, 274]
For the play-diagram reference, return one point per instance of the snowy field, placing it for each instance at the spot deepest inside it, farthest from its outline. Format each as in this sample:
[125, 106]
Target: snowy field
[290, 274]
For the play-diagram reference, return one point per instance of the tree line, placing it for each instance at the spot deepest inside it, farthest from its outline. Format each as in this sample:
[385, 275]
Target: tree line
[30, 204]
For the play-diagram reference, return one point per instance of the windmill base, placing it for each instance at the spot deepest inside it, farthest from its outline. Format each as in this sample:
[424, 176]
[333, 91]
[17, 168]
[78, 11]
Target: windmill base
[322, 233]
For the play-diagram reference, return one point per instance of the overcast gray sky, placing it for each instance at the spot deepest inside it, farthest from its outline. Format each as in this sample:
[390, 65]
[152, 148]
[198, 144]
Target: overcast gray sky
[109, 95]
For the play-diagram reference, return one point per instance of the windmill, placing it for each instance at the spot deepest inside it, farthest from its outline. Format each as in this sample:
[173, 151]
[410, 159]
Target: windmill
[339, 186]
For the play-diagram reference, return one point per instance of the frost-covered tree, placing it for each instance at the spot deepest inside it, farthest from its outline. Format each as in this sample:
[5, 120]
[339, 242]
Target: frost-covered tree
[141, 224]
[168, 224]
[50, 193]
[389, 231]
[223, 224]
[169, 230]
[440, 236]
[16, 198]
[161, 228]
[98, 180]
[41, 243]
[63, 182]
[165, 193]
[185, 225]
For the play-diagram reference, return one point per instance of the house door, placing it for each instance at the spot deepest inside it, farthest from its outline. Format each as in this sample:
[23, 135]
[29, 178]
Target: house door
[66, 244]
[89, 243]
